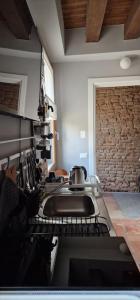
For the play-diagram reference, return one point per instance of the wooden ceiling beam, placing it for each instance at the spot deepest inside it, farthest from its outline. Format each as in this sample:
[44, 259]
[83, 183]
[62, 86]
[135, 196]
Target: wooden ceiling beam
[132, 24]
[94, 19]
[17, 17]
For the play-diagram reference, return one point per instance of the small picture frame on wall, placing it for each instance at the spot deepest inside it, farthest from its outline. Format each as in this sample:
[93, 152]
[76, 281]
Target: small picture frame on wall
[13, 93]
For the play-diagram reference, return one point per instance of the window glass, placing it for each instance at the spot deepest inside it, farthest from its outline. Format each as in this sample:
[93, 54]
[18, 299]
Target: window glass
[48, 77]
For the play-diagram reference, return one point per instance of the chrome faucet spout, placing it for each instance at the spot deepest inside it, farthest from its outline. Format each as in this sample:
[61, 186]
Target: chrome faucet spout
[46, 194]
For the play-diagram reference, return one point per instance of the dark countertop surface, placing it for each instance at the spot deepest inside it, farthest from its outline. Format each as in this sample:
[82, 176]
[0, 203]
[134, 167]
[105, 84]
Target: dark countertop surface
[91, 251]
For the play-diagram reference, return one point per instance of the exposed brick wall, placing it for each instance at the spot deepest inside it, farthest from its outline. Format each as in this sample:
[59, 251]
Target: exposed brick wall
[9, 94]
[118, 137]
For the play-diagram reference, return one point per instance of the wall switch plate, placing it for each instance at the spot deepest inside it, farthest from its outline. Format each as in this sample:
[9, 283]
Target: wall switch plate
[83, 155]
[82, 134]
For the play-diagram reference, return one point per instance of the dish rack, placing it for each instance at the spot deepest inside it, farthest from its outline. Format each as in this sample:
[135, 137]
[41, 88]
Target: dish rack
[69, 226]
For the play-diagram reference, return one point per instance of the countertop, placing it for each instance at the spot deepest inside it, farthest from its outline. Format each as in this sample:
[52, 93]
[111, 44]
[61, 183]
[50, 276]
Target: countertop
[88, 189]
[104, 212]
[93, 249]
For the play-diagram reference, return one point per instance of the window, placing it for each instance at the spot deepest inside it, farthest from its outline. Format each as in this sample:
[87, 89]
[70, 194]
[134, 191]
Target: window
[48, 77]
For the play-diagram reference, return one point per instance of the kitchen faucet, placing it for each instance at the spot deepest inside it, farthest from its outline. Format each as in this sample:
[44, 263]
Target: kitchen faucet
[55, 189]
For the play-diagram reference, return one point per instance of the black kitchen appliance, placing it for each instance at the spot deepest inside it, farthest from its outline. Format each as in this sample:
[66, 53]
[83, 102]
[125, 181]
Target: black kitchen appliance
[94, 263]
[103, 274]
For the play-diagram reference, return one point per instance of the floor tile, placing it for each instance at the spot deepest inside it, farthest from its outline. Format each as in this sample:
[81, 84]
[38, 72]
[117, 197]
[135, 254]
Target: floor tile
[126, 227]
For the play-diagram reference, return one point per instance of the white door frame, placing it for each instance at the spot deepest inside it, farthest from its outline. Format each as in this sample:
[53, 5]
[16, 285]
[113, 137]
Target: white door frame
[93, 83]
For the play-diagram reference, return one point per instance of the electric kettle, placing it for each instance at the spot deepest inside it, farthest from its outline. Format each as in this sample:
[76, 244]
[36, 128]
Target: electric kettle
[78, 175]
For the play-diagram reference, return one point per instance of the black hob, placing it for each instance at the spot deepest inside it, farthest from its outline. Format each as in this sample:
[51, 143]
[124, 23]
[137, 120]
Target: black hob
[95, 263]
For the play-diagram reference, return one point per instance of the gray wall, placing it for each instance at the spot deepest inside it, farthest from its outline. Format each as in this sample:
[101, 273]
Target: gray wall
[10, 126]
[8, 40]
[31, 68]
[28, 65]
[14, 128]
[71, 95]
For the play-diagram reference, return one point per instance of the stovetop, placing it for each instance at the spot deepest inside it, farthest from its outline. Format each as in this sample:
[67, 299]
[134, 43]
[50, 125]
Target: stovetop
[95, 263]
[79, 263]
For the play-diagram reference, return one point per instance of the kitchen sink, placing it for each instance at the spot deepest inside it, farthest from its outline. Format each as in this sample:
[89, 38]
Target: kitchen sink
[65, 205]
[69, 206]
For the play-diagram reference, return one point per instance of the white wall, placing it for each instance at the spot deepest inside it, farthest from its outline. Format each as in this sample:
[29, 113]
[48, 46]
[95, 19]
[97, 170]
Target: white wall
[47, 16]
[71, 95]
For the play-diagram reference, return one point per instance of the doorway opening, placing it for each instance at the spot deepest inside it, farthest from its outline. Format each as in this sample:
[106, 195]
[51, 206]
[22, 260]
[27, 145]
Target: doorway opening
[114, 132]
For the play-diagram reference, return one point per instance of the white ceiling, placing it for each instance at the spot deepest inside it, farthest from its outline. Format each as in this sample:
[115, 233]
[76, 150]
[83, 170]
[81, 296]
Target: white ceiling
[46, 15]
[70, 45]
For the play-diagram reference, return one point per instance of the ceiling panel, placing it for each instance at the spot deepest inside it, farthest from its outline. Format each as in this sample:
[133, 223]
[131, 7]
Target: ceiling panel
[117, 11]
[74, 12]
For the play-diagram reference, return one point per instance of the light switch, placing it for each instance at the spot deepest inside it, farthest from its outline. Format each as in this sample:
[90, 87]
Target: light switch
[83, 155]
[82, 134]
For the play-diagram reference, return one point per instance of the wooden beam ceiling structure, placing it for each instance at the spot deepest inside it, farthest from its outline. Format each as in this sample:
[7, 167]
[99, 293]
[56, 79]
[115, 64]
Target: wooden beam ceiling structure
[96, 14]
[94, 20]
[17, 17]
[74, 12]
[132, 24]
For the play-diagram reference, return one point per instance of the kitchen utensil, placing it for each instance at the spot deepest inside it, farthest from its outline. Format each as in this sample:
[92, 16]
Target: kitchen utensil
[33, 167]
[31, 173]
[27, 182]
[20, 179]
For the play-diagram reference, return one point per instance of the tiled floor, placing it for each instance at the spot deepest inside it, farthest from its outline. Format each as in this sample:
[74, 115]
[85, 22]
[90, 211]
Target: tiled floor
[129, 228]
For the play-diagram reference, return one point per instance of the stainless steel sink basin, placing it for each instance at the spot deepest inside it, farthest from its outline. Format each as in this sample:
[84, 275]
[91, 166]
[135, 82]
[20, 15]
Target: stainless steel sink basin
[69, 206]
